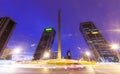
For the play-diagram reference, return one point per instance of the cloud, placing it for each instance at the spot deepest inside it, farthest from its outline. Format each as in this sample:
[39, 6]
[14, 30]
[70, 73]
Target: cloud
[70, 35]
[32, 45]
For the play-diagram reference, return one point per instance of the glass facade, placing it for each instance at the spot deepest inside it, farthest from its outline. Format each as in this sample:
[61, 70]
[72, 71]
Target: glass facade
[45, 43]
[6, 28]
[96, 42]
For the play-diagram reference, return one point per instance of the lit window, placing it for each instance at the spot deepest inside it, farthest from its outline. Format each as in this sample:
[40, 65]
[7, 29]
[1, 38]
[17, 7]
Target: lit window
[94, 32]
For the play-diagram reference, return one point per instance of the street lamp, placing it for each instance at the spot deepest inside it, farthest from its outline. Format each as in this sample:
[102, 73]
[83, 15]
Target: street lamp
[115, 46]
[16, 51]
[46, 55]
[88, 55]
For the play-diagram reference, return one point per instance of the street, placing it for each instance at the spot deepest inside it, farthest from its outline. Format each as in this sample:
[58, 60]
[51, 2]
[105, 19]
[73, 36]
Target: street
[40, 69]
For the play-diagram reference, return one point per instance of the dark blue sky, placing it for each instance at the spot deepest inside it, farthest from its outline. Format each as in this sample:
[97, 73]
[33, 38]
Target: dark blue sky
[32, 16]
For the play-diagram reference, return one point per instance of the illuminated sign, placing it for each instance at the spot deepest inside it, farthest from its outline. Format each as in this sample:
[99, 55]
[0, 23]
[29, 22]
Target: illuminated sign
[48, 29]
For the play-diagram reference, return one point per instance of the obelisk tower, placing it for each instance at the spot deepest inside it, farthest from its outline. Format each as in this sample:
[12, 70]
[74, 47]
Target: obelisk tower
[59, 40]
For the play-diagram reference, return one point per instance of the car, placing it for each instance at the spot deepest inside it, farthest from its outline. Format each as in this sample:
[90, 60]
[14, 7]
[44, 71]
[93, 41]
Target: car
[74, 66]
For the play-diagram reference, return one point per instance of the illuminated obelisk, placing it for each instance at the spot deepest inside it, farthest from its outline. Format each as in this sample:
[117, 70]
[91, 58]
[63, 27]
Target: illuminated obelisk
[59, 41]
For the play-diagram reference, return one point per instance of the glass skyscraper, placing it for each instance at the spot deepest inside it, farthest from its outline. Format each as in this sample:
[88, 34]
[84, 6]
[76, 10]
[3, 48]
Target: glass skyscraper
[97, 43]
[6, 27]
[45, 44]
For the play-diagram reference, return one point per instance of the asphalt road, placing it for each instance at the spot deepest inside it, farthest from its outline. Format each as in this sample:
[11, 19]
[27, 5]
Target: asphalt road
[107, 68]
[35, 69]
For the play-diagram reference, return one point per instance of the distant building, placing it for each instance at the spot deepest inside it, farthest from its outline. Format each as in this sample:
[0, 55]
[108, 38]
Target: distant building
[6, 27]
[97, 43]
[45, 43]
[21, 57]
[68, 54]
[54, 55]
[7, 54]
[9, 57]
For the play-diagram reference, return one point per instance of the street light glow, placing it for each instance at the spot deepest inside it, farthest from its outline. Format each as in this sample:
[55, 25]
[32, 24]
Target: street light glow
[115, 46]
[46, 55]
[17, 50]
[87, 53]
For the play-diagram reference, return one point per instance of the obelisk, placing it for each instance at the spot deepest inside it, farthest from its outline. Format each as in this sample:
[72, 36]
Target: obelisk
[59, 40]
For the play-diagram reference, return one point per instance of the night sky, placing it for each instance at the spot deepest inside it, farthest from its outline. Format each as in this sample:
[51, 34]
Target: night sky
[32, 16]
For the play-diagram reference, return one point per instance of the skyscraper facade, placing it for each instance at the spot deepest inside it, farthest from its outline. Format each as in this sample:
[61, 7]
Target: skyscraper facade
[6, 27]
[97, 43]
[45, 44]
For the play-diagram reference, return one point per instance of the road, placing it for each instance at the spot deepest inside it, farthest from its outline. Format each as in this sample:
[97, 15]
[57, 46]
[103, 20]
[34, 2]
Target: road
[38, 69]
[107, 68]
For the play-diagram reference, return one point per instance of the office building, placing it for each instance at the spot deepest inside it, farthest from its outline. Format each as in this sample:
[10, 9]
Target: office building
[6, 27]
[45, 44]
[99, 47]
[7, 52]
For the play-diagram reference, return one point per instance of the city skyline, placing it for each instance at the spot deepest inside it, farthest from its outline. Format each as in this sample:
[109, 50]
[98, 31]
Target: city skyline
[33, 16]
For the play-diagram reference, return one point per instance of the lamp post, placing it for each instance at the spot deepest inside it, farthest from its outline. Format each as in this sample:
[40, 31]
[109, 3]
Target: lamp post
[88, 55]
[46, 55]
[15, 52]
[116, 47]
